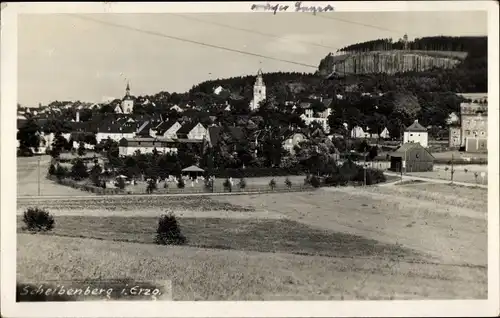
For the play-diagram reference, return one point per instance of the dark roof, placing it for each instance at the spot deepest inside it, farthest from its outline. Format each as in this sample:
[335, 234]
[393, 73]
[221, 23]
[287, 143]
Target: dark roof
[401, 151]
[21, 122]
[117, 126]
[327, 101]
[416, 127]
[187, 127]
[164, 126]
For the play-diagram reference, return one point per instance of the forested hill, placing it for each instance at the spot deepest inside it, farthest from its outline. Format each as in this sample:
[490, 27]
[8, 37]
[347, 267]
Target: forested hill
[422, 54]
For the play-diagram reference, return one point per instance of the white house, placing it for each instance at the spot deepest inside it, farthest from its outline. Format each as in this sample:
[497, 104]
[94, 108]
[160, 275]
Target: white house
[416, 133]
[321, 118]
[128, 146]
[385, 133]
[192, 130]
[115, 130]
[166, 129]
[358, 132]
[177, 108]
[218, 90]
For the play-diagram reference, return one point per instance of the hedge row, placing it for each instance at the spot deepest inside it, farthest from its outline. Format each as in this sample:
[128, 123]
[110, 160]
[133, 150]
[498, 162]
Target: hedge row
[85, 187]
[252, 172]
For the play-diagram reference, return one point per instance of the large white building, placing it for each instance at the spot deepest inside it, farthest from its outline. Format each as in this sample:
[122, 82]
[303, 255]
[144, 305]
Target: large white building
[127, 104]
[416, 133]
[259, 92]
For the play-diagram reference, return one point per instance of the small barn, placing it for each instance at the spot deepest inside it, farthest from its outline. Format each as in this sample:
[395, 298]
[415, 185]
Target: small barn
[412, 157]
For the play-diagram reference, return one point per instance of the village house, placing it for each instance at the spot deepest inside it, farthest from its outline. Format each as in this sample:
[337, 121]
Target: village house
[128, 146]
[416, 133]
[192, 130]
[116, 130]
[166, 129]
[471, 130]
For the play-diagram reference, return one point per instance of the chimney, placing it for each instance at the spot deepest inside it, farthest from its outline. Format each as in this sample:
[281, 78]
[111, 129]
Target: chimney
[77, 116]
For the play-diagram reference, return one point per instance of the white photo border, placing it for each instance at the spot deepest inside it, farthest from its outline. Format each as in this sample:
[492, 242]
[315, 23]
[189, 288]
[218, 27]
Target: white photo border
[451, 308]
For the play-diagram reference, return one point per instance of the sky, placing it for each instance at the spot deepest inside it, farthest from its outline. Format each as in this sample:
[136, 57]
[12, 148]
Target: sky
[65, 57]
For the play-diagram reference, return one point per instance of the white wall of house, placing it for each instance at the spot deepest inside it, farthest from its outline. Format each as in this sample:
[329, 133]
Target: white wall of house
[417, 137]
[198, 132]
[172, 131]
[385, 133]
[358, 132]
[322, 121]
[128, 151]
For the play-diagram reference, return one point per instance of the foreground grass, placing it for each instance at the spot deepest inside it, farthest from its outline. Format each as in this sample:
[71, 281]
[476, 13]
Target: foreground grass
[235, 234]
[210, 274]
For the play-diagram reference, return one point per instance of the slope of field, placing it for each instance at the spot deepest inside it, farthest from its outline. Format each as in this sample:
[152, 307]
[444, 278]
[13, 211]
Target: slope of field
[447, 222]
[31, 175]
[427, 241]
[210, 274]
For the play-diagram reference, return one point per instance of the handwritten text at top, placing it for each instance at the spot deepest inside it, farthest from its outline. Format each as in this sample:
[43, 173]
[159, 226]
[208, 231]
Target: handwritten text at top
[298, 8]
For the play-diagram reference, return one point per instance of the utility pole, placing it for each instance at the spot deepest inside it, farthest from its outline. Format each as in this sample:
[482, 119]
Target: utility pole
[452, 168]
[39, 175]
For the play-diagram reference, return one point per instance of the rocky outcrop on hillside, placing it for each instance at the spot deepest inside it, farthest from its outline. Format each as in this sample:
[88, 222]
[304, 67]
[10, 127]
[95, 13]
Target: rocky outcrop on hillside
[389, 62]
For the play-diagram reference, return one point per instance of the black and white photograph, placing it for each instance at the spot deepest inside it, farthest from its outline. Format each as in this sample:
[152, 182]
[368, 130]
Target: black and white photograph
[254, 151]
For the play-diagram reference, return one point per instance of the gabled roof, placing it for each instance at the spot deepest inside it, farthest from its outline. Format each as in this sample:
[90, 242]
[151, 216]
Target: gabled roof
[416, 127]
[186, 128]
[164, 126]
[193, 169]
[401, 151]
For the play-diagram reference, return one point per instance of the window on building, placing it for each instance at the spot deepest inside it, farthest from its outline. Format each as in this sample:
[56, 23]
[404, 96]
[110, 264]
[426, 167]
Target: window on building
[475, 132]
[139, 143]
[467, 132]
[482, 133]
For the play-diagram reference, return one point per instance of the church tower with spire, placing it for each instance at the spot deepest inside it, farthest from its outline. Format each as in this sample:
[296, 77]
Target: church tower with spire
[259, 92]
[128, 101]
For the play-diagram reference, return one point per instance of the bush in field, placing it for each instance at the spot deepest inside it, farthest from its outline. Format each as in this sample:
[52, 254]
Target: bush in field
[120, 183]
[272, 184]
[209, 184]
[81, 148]
[314, 181]
[169, 231]
[288, 183]
[227, 185]
[151, 186]
[38, 220]
[242, 184]
[79, 170]
[52, 169]
[61, 172]
[181, 184]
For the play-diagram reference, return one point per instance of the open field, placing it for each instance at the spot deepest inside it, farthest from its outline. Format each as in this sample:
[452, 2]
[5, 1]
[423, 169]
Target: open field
[412, 241]
[214, 274]
[29, 174]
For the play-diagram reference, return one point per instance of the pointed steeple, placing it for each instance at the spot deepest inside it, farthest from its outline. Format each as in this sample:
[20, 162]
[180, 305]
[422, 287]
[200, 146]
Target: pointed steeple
[127, 90]
[259, 81]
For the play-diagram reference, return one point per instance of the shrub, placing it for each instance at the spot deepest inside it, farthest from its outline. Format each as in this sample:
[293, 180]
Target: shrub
[61, 172]
[79, 170]
[169, 231]
[181, 184]
[52, 169]
[288, 183]
[151, 186]
[315, 182]
[38, 220]
[242, 183]
[120, 183]
[227, 185]
[272, 184]
[209, 184]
